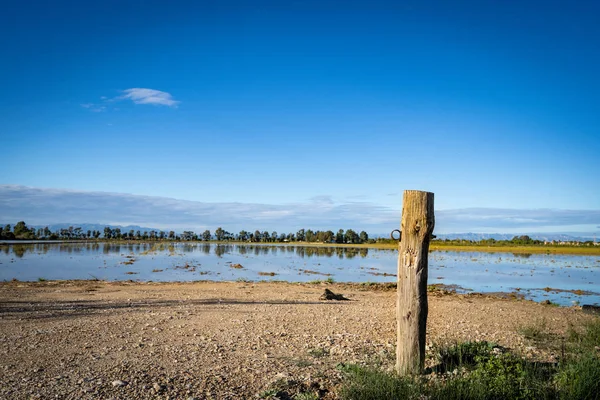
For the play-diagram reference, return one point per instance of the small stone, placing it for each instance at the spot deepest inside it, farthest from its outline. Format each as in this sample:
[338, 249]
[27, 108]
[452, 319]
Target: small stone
[157, 387]
[118, 383]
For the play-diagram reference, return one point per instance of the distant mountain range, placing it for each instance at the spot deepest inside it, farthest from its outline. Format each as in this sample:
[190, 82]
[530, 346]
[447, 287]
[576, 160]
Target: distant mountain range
[508, 236]
[561, 237]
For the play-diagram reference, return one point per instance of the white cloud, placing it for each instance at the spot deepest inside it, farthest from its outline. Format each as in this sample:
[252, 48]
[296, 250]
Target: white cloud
[149, 96]
[49, 206]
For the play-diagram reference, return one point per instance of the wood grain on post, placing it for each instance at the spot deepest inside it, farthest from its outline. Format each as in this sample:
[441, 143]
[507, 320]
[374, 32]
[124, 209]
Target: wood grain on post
[416, 226]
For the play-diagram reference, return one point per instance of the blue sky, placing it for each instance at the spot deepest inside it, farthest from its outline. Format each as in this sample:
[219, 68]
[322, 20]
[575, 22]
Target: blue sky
[490, 105]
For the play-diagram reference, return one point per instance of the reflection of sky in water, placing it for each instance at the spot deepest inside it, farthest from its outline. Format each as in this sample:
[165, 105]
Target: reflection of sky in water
[470, 271]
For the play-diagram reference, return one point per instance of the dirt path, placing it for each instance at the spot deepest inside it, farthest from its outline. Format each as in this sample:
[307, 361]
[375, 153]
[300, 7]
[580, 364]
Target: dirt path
[226, 340]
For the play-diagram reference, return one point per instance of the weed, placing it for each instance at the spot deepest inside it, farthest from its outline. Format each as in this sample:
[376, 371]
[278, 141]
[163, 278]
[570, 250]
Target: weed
[268, 394]
[537, 331]
[371, 384]
[580, 379]
[465, 354]
[306, 396]
[588, 340]
[41, 279]
[318, 352]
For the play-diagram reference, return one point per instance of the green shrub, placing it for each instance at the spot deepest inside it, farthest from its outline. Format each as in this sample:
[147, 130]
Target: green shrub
[370, 384]
[465, 354]
[580, 379]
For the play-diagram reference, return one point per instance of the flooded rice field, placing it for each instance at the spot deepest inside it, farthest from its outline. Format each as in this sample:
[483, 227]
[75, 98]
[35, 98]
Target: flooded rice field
[562, 279]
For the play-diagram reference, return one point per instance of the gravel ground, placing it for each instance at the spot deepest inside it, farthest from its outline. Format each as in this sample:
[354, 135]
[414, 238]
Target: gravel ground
[225, 340]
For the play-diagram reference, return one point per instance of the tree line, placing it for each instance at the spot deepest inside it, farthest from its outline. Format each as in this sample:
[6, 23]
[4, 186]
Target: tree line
[21, 231]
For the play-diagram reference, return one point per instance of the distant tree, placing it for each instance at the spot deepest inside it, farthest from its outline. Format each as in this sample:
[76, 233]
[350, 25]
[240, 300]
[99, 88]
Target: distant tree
[364, 237]
[117, 233]
[243, 236]
[339, 237]
[300, 235]
[161, 235]
[108, 232]
[350, 236]
[274, 236]
[20, 229]
[206, 235]
[310, 236]
[219, 233]
[171, 235]
[89, 233]
[257, 235]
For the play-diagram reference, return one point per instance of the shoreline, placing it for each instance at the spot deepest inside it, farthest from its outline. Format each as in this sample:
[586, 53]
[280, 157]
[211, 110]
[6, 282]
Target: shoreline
[541, 249]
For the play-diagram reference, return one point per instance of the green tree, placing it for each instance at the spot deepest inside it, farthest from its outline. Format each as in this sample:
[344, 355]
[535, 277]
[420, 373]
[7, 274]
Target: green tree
[219, 233]
[350, 236]
[339, 237]
[206, 235]
[20, 229]
[364, 238]
[301, 235]
[108, 232]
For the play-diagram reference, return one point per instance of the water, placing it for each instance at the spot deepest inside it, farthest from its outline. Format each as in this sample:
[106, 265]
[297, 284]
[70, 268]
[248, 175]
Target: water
[563, 279]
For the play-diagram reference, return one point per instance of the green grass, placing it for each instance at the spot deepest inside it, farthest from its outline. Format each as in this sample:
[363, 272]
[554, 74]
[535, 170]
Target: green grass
[482, 370]
[536, 331]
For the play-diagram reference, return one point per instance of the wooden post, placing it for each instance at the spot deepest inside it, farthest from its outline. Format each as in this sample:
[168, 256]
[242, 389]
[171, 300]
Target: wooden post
[416, 229]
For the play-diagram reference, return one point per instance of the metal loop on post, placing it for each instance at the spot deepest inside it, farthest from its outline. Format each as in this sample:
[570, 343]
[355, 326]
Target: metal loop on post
[399, 235]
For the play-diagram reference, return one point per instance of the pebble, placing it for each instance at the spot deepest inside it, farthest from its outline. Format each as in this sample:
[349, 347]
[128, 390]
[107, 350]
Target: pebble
[119, 383]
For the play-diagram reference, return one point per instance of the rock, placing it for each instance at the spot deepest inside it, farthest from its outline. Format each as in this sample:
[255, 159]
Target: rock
[590, 309]
[329, 295]
[119, 383]
[157, 387]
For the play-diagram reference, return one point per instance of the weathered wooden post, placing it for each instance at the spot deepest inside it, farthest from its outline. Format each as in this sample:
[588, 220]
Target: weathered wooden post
[416, 230]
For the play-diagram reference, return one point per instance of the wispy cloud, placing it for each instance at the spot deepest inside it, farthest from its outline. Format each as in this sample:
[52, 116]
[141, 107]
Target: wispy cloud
[137, 96]
[515, 220]
[149, 96]
[48, 206]
[94, 107]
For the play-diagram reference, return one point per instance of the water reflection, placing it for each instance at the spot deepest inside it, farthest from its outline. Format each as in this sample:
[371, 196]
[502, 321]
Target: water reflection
[19, 250]
[522, 255]
[165, 261]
